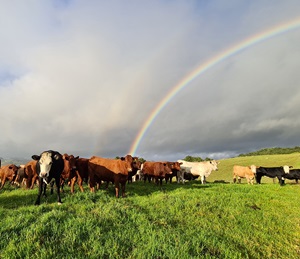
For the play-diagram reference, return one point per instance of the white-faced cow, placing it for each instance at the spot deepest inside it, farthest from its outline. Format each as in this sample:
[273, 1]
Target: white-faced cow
[271, 172]
[49, 167]
[202, 169]
[293, 174]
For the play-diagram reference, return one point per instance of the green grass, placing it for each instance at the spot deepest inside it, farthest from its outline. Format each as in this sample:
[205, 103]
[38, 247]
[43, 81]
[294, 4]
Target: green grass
[215, 220]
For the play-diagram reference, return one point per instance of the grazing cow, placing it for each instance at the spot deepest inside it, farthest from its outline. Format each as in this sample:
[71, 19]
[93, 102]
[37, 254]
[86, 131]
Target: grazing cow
[293, 174]
[157, 170]
[80, 174]
[21, 176]
[8, 172]
[271, 172]
[247, 172]
[202, 169]
[109, 170]
[30, 174]
[175, 167]
[50, 166]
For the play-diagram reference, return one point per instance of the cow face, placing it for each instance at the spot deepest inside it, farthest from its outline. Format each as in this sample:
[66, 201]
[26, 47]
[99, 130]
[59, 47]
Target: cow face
[214, 164]
[45, 162]
[253, 169]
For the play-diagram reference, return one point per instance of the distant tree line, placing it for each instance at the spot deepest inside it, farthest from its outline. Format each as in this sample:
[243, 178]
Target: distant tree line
[195, 159]
[273, 151]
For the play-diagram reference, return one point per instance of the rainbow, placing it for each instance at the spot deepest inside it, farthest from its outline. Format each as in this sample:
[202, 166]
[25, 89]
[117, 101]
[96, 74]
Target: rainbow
[274, 31]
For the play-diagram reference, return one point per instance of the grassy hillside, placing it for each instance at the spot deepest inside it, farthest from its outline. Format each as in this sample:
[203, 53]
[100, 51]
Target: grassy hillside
[177, 221]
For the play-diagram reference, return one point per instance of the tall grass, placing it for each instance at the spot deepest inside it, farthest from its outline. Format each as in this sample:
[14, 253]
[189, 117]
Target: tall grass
[175, 221]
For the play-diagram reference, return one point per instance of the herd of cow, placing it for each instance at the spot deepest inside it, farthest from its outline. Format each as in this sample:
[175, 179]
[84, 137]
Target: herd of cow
[51, 167]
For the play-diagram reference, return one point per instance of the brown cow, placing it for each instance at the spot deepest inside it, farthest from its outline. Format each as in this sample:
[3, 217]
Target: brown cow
[80, 174]
[69, 167]
[31, 174]
[135, 164]
[109, 170]
[157, 170]
[175, 167]
[8, 172]
[247, 172]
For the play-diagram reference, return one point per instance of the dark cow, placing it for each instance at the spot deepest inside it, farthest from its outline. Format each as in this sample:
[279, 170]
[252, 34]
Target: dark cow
[109, 170]
[31, 174]
[80, 173]
[271, 172]
[8, 172]
[21, 176]
[175, 167]
[49, 167]
[156, 170]
[293, 174]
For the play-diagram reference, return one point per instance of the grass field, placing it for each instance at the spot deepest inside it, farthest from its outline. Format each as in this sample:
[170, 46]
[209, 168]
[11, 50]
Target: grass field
[216, 220]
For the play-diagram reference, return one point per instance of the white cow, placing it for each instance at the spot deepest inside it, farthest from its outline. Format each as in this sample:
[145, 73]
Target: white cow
[202, 169]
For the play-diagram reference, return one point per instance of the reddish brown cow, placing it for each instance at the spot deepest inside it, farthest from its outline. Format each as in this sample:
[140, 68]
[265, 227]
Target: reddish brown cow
[135, 164]
[80, 174]
[8, 172]
[175, 167]
[69, 167]
[157, 170]
[109, 170]
[31, 174]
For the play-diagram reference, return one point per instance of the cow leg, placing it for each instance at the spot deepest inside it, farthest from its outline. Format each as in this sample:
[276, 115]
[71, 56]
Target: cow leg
[123, 189]
[202, 179]
[38, 200]
[239, 180]
[3, 182]
[57, 182]
[117, 187]
[258, 178]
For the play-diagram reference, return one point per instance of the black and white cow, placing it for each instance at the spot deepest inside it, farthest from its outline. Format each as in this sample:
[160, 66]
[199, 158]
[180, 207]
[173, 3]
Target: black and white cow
[271, 172]
[49, 167]
[293, 174]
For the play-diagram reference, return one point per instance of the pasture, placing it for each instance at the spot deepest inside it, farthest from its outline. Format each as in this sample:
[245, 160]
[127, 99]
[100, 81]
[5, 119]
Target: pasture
[216, 220]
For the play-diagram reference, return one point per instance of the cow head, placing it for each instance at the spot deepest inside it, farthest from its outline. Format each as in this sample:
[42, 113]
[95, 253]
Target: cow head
[214, 164]
[253, 168]
[45, 161]
[69, 165]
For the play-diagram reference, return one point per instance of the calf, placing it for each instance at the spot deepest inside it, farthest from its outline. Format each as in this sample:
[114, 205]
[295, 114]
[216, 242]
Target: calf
[271, 172]
[8, 172]
[247, 172]
[157, 170]
[109, 170]
[50, 166]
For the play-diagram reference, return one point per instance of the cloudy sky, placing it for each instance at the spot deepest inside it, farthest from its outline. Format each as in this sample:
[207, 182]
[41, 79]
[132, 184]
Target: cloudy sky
[82, 77]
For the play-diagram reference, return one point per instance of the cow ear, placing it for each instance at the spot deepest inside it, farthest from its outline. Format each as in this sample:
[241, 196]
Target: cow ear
[56, 156]
[122, 158]
[76, 157]
[36, 157]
